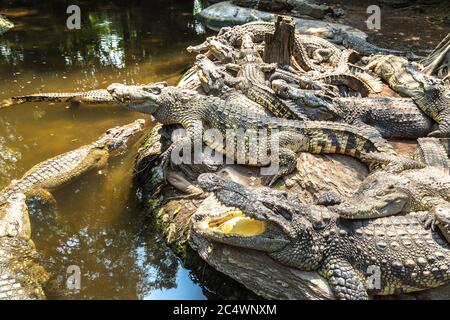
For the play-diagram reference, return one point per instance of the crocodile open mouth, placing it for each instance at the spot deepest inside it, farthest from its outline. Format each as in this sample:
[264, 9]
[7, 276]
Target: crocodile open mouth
[237, 223]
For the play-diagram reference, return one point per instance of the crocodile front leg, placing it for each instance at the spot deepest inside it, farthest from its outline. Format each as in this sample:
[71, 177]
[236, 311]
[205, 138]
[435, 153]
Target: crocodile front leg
[439, 216]
[345, 282]
[42, 194]
[443, 130]
[192, 137]
[284, 155]
[442, 218]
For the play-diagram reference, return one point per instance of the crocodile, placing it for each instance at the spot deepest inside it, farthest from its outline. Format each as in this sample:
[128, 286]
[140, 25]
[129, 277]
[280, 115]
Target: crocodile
[250, 79]
[320, 49]
[88, 98]
[394, 118]
[58, 171]
[263, 100]
[430, 94]
[305, 8]
[359, 44]
[329, 82]
[384, 194]
[196, 112]
[5, 24]
[249, 66]
[305, 45]
[433, 152]
[215, 80]
[398, 250]
[22, 276]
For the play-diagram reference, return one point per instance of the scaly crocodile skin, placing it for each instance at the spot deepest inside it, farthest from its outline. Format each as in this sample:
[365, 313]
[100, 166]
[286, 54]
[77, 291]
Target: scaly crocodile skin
[358, 257]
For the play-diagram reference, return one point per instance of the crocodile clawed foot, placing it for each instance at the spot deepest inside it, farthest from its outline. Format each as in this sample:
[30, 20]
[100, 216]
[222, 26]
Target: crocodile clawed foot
[441, 220]
[165, 163]
[209, 163]
[430, 222]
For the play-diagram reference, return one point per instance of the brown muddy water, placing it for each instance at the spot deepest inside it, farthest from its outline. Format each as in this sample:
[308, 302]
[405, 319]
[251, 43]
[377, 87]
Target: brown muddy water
[99, 227]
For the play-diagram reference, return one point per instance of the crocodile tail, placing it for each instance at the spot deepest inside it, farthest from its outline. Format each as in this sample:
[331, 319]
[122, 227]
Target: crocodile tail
[346, 139]
[373, 83]
[50, 97]
[346, 79]
[87, 97]
[432, 152]
[302, 59]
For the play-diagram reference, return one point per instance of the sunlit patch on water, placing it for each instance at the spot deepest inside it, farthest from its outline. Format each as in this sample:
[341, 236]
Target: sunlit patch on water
[12, 56]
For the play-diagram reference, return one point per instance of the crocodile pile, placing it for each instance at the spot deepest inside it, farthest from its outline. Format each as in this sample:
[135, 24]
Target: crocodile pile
[384, 231]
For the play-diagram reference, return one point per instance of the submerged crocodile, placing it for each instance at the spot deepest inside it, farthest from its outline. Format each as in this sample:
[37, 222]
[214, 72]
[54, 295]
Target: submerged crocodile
[394, 118]
[196, 112]
[430, 94]
[398, 250]
[5, 24]
[91, 97]
[56, 172]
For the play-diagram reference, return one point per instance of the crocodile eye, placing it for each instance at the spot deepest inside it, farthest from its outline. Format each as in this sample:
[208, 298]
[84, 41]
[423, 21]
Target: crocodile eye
[153, 90]
[380, 193]
[269, 205]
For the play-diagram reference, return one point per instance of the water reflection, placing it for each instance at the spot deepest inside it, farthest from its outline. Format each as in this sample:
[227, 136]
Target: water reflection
[97, 225]
[115, 35]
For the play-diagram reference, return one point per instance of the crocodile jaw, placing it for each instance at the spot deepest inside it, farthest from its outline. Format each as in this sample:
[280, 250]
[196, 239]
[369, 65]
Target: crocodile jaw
[234, 228]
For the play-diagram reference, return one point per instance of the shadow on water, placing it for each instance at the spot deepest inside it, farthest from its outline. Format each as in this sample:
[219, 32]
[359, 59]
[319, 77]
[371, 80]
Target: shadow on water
[98, 225]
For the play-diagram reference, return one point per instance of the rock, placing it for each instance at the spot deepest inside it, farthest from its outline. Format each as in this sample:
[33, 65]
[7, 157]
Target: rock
[307, 8]
[226, 14]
